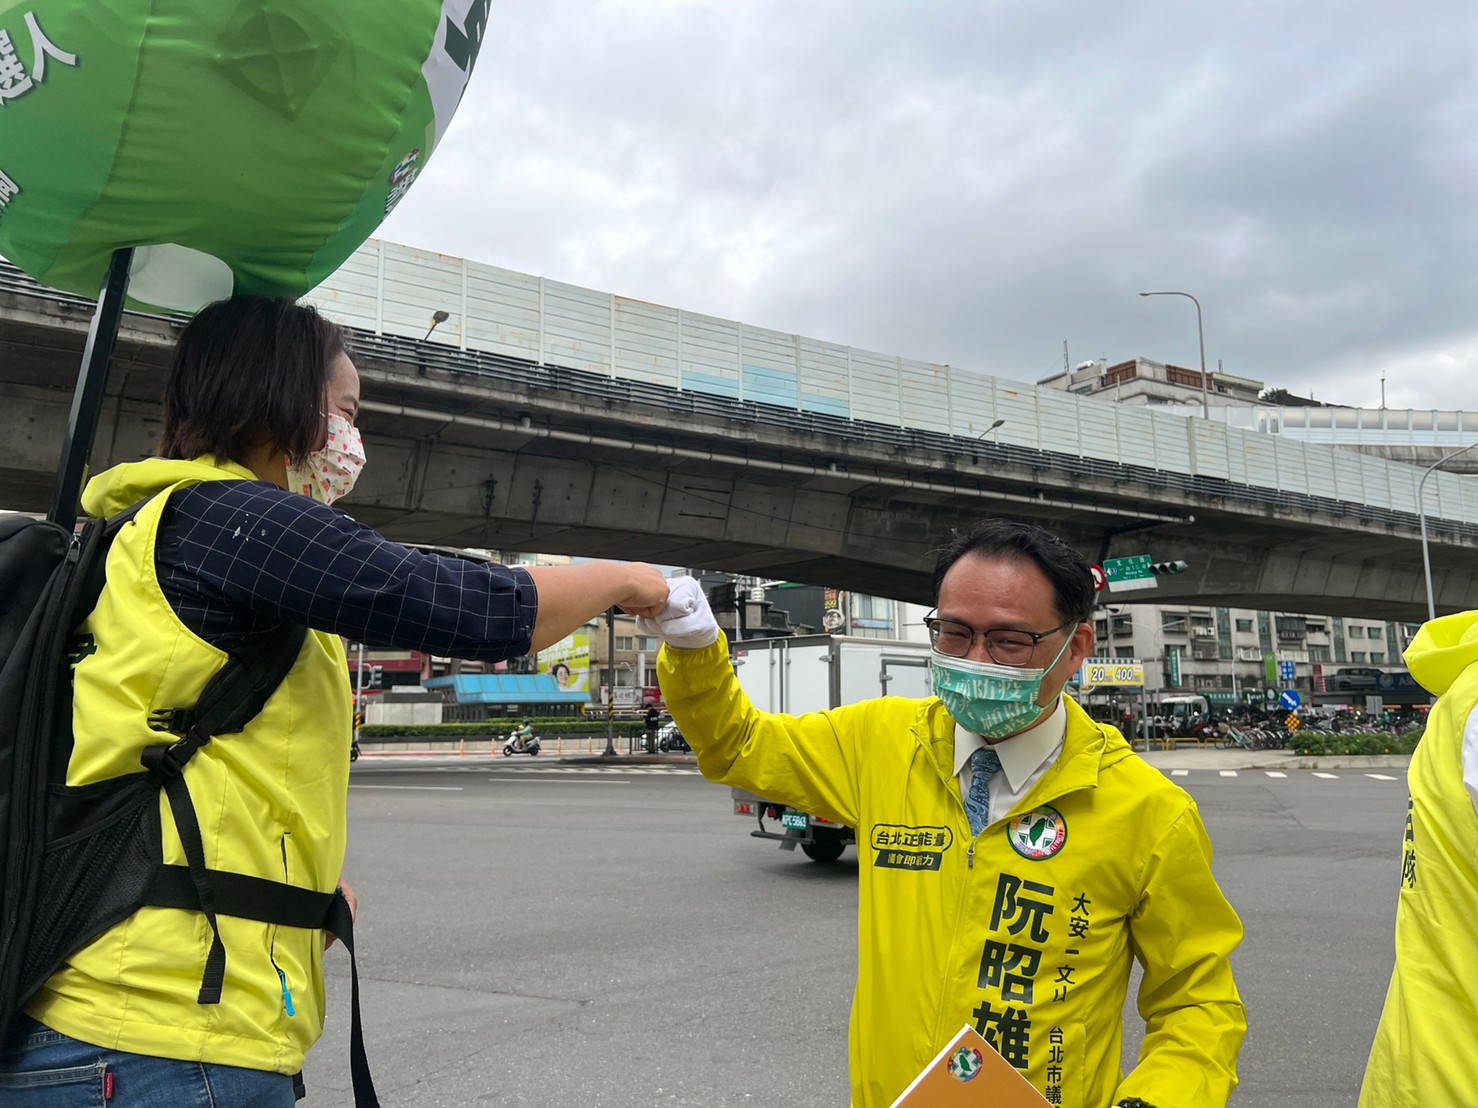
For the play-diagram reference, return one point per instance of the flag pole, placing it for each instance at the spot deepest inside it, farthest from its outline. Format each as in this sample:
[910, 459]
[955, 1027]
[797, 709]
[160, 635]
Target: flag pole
[92, 382]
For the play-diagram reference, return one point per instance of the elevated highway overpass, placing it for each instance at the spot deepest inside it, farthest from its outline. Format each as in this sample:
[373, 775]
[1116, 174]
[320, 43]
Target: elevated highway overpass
[480, 444]
[1416, 436]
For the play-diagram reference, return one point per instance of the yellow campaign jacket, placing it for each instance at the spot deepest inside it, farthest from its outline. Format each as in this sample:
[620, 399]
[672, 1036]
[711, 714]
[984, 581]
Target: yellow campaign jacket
[1426, 1047]
[271, 803]
[1026, 931]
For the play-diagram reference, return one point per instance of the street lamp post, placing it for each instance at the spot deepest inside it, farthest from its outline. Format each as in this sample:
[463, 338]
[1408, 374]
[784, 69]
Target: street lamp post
[1201, 337]
[441, 315]
[1421, 510]
[610, 750]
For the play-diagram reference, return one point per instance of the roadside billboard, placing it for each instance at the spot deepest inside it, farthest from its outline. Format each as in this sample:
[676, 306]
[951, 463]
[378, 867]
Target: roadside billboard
[1111, 671]
[569, 661]
[834, 612]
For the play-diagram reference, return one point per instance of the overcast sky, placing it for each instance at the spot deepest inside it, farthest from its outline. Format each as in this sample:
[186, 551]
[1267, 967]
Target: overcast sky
[975, 183]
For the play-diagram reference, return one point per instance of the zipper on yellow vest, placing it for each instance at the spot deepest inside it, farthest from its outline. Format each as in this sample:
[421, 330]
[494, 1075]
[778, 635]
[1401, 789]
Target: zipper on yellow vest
[287, 993]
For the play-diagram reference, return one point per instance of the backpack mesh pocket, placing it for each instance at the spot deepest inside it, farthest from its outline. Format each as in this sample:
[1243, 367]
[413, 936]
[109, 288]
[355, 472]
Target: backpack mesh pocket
[102, 849]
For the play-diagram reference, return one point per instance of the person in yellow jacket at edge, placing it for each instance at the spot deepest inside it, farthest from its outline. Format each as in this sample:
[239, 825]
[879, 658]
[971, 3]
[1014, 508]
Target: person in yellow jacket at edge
[1424, 1052]
[1015, 856]
[238, 538]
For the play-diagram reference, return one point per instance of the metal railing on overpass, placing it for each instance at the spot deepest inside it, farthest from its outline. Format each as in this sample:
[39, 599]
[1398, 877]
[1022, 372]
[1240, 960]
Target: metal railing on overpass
[1360, 428]
[615, 389]
[680, 402]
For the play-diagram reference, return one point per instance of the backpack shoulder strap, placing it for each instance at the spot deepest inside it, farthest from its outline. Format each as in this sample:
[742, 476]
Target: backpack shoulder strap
[232, 698]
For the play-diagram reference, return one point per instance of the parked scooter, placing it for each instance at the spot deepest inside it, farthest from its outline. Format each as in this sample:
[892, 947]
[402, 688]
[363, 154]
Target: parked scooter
[521, 740]
[670, 739]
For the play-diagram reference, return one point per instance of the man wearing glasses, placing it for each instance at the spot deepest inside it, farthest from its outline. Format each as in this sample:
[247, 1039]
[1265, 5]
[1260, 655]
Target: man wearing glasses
[1015, 857]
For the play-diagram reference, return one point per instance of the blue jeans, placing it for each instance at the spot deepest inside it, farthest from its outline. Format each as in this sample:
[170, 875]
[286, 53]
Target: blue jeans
[42, 1068]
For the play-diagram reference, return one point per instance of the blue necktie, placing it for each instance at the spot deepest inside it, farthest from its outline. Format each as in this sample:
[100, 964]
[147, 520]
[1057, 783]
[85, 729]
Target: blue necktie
[983, 763]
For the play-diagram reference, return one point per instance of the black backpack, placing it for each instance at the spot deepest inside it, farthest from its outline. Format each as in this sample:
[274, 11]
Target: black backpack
[79, 859]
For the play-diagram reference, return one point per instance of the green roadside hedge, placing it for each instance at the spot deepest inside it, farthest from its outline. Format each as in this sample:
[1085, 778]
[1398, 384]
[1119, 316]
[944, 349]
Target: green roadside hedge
[544, 728]
[1341, 743]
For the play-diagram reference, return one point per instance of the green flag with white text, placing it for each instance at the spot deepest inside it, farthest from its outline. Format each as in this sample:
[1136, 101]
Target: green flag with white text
[245, 145]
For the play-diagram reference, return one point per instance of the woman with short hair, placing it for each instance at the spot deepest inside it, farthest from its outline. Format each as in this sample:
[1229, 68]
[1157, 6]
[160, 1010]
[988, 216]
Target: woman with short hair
[236, 541]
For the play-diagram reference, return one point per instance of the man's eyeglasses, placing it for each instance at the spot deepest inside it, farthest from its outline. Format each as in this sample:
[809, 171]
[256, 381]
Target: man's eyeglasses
[1007, 646]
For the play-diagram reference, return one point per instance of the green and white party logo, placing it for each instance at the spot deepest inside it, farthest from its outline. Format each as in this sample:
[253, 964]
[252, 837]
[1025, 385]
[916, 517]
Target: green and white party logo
[965, 1063]
[1037, 834]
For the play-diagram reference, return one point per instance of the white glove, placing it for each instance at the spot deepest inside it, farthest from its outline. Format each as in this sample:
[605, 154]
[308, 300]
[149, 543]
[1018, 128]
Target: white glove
[687, 622]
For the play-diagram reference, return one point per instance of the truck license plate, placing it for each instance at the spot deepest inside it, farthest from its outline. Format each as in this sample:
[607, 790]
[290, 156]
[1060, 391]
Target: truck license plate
[793, 819]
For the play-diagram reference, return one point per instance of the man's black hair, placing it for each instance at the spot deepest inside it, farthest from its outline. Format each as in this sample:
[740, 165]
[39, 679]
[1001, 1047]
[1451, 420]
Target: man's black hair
[1072, 582]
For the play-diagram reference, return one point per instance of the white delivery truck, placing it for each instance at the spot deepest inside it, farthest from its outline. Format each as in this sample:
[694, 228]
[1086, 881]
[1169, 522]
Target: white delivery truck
[810, 673]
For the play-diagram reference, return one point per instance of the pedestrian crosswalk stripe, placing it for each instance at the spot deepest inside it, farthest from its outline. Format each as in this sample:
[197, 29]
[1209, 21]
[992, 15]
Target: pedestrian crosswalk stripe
[566, 779]
[483, 765]
[664, 771]
[1275, 773]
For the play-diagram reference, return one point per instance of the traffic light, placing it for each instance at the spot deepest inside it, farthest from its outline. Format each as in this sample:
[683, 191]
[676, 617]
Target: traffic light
[1162, 569]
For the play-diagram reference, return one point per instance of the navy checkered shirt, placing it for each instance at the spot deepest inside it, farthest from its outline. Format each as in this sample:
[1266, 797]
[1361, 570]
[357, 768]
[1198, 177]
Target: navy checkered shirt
[239, 559]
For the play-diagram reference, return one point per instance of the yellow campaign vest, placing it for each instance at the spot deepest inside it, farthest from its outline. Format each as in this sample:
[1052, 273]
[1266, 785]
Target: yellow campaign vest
[1026, 930]
[1424, 1051]
[271, 803]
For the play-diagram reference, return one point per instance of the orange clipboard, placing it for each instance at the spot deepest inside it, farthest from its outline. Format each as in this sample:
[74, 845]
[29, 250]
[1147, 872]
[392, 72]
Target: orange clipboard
[968, 1073]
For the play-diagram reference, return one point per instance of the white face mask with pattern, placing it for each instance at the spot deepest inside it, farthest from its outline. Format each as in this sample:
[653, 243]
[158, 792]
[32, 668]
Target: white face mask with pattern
[988, 699]
[329, 473]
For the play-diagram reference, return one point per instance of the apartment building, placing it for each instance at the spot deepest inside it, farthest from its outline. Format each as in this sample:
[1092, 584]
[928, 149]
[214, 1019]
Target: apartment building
[1228, 655]
[1248, 656]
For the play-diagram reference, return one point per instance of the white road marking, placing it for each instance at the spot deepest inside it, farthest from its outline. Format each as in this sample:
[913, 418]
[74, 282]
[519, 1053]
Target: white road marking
[423, 788]
[1280, 773]
[552, 781]
[660, 771]
[421, 765]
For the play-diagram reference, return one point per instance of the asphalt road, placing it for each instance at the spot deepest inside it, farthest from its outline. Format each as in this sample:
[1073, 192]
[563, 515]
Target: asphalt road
[532, 934]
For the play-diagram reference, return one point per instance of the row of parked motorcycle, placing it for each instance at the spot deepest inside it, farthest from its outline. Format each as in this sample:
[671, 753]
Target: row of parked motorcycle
[666, 738]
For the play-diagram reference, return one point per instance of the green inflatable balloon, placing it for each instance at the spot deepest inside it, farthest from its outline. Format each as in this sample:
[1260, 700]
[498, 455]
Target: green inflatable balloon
[245, 145]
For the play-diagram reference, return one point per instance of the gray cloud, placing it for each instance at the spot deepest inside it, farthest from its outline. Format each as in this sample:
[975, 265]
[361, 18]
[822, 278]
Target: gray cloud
[976, 183]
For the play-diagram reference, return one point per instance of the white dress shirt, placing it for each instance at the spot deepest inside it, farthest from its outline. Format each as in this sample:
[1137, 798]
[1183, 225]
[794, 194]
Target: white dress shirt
[1024, 758]
[1470, 757]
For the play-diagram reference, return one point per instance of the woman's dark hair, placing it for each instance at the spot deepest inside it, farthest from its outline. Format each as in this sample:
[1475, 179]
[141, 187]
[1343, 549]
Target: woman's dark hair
[248, 371]
[1072, 582]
